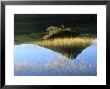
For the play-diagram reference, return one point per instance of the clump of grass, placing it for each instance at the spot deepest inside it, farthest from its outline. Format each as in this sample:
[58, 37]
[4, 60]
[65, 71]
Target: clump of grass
[69, 47]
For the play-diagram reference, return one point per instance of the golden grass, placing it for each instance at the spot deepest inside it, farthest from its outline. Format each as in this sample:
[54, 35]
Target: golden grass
[68, 42]
[69, 47]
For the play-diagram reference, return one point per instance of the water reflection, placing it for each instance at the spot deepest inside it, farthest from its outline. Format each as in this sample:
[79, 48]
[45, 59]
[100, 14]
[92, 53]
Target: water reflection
[34, 60]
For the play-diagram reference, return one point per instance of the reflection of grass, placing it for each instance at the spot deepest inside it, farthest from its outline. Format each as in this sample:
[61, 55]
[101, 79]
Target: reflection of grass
[69, 47]
[58, 67]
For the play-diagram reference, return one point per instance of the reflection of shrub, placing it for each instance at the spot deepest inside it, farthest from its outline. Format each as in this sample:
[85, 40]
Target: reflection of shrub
[55, 32]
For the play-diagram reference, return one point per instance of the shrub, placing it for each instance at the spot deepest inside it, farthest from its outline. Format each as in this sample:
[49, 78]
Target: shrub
[55, 32]
[22, 39]
[26, 38]
[34, 36]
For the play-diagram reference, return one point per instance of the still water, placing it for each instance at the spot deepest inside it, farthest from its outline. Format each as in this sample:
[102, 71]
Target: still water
[34, 60]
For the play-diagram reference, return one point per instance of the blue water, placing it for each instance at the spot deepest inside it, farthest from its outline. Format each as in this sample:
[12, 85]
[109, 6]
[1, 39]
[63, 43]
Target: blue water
[35, 60]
